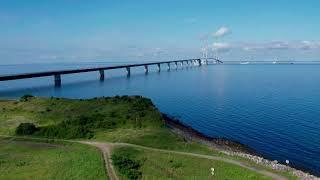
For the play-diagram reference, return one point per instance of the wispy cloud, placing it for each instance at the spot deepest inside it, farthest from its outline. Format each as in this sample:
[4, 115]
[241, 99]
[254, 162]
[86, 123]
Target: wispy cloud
[309, 45]
[221, 47]
[221, 32]
[279, 45]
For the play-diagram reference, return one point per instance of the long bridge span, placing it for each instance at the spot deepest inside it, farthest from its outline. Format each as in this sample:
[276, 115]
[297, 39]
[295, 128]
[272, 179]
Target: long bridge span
[57, 74]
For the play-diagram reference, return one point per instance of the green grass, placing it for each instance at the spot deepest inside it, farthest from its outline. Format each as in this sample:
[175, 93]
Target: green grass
[158, 165]
[52, 111]
[126, 112]
[36, 160]
[129, 119]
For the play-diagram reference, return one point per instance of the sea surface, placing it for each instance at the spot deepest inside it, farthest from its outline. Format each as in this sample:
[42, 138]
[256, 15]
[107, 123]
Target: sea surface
[274, 109]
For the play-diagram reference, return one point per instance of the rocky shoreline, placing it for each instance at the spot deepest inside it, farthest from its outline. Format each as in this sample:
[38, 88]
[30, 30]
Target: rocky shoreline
[230, 147]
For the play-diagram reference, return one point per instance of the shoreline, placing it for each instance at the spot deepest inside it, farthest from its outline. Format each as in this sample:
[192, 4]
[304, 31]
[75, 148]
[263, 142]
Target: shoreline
[230, 147]
[226, 146]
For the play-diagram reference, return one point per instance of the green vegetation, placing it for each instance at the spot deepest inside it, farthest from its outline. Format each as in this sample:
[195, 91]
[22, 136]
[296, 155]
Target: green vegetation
[126, 163]
[26, 129]
[38, 160]
[159, 165]
[129, 119]
[26, 98]
[66, 118]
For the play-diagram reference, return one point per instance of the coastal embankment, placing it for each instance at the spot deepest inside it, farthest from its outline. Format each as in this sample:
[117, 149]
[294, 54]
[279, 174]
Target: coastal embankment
[230, 147]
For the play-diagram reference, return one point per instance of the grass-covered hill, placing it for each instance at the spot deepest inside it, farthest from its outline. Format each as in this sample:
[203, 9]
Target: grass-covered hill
[66, 118]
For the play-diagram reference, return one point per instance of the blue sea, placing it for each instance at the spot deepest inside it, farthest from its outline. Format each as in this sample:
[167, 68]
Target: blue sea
[274, 109]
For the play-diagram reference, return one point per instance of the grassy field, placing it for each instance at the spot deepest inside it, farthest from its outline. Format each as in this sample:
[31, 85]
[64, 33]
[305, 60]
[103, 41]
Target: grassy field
[36, 160]
[144, 126]
[159, 165]
[132, 120]
[124, 112]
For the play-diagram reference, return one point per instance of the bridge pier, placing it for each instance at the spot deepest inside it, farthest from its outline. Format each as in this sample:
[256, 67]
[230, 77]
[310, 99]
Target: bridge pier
[128, 71]
[159, 68]
[176, 64]
[168, 66]
[101, 71]
[146, 70]
[199, 61]
[57, 80]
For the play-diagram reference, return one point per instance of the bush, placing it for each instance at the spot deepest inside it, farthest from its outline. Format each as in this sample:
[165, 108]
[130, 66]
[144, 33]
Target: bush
[80, 127]
[26, 129]
[127, 165]
[26, 98]
[65, 132]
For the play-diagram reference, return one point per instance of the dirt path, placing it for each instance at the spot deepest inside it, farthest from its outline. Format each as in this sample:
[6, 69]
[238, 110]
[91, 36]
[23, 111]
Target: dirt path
[106, 149]
[230, 161]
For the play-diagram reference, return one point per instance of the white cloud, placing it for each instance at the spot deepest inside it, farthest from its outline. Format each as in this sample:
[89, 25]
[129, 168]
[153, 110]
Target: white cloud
[308, 45]
[279, 45]
[221, 32]
[221, 47]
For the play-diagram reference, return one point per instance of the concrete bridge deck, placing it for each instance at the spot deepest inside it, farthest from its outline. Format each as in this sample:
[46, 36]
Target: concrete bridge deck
[57, 74]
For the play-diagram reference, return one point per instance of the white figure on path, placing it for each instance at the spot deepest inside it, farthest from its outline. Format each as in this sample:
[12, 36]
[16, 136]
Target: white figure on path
[212, 171]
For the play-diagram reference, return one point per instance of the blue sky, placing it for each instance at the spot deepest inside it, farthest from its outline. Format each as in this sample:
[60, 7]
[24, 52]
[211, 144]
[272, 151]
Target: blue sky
[148, 30]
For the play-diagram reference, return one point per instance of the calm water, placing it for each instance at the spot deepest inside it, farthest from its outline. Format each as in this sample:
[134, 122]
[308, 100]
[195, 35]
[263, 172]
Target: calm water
[275, 109]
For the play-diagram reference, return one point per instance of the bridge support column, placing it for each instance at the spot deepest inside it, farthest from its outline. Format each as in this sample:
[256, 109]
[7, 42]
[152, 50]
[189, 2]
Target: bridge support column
[57, 80]
[176, 64]
[168, 66]
[159, 68]
[128, 71]
[146, 70]
[199, 61]
[101, 71]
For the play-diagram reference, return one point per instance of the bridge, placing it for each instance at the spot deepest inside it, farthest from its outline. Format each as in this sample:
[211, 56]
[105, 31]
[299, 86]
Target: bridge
[101, 70]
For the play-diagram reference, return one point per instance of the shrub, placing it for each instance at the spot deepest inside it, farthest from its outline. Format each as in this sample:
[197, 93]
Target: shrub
[26, 129]
[80, 127]
[65, 132]
[127, 165]
[26, 98]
